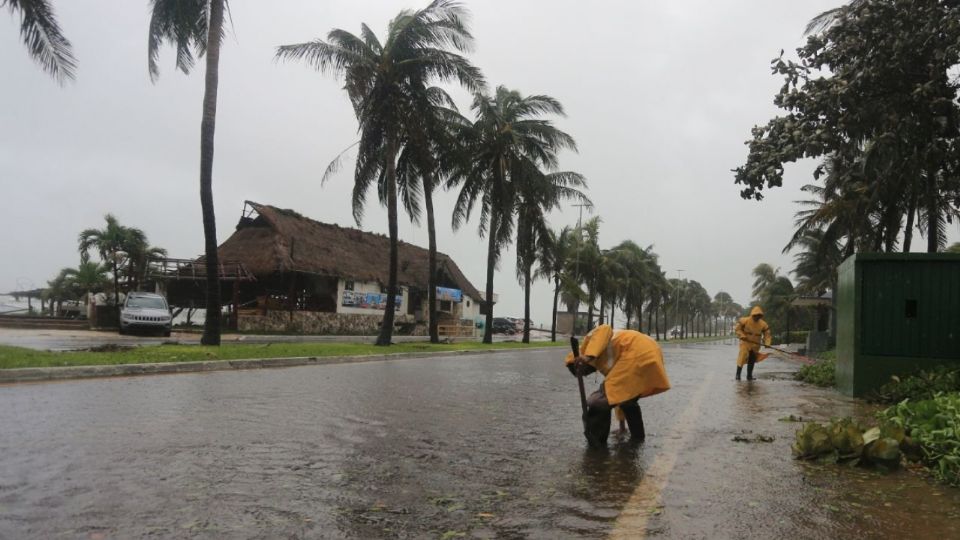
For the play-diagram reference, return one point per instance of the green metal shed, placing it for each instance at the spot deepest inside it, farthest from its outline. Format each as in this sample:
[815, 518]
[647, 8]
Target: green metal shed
[896, 313]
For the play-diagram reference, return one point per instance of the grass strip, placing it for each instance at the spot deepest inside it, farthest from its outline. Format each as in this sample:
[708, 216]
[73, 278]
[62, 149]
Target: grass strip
[17, 357]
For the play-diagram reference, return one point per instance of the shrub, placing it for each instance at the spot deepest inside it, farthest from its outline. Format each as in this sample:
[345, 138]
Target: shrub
[822, 373]
[933, 425]
[919, 386]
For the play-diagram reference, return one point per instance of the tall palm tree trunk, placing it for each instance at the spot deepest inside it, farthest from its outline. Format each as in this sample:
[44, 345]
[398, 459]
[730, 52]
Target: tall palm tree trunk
[432, 281]
[650, 325]
[211, 326]
[933, 214]
[613, 310]
[526, 304]
[553, 317]
[386, 329]
[491, 264]
[908, 230]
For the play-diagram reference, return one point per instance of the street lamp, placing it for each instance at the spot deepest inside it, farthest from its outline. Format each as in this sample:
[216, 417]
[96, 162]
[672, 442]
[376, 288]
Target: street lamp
[577, 265]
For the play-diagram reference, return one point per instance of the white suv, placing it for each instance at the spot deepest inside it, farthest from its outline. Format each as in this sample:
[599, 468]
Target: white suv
[145, 311]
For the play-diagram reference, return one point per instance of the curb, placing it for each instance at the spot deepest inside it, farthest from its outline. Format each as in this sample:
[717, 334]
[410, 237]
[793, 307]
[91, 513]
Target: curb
[40, 374]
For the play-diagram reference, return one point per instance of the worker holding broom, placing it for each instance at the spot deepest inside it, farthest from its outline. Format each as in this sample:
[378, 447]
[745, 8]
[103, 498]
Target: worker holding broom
[751, 330]
[632, 366]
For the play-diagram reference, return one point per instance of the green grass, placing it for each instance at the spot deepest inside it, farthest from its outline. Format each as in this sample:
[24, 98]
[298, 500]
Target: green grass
[16, 357]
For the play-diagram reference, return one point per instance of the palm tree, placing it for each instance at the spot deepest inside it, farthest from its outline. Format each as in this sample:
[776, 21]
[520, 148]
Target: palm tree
[385, 84]
[42, 36]
[140, 257]
[589, 259]
[537, 194]
[88, 277]
[553, 260]
[196, 27]
[114, 243]
[58, 289]
[507, 137]
[430, 151]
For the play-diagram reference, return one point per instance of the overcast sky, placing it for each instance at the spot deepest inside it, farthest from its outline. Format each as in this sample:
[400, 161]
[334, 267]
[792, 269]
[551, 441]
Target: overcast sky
[660, 97]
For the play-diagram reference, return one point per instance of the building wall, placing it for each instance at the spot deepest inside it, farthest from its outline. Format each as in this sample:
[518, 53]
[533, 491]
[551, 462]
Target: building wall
[314, 322]
[471, 308]
[368, 287]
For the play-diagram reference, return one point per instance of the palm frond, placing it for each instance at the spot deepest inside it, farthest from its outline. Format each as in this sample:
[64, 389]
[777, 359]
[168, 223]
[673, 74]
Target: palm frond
[45, 42]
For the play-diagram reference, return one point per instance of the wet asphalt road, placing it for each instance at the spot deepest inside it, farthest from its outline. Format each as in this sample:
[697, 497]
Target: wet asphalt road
[482, 447]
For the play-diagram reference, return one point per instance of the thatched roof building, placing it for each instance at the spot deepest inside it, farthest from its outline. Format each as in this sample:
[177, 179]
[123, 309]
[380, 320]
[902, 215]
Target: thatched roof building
[272, 242]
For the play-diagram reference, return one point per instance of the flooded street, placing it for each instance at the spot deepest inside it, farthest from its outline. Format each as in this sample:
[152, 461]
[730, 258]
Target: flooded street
[485, 446]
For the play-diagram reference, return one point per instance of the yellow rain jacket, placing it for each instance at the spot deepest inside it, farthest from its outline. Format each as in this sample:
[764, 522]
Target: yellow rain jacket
[631, 363]
[752, 332]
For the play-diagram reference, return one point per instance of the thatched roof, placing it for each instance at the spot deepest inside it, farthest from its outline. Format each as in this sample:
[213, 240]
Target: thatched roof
[271, 240]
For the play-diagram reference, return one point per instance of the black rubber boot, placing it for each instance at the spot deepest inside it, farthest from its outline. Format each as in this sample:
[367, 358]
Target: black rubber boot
[596, 426]
[631, 412]
[739, 370]
[750, 370]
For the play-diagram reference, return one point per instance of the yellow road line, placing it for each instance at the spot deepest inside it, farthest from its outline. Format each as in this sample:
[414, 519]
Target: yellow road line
[632, 521]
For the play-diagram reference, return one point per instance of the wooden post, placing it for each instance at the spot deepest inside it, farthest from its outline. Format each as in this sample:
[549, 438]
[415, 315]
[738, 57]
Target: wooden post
[235, 316]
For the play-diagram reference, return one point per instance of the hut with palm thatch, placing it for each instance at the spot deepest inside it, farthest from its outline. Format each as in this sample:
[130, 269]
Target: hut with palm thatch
[318, 278]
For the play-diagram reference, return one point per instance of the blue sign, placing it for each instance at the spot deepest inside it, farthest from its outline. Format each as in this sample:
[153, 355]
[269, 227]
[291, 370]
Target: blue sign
[449, 295]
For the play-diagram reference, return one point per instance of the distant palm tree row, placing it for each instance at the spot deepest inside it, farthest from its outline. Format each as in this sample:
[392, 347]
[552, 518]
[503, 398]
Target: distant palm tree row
[630, 278]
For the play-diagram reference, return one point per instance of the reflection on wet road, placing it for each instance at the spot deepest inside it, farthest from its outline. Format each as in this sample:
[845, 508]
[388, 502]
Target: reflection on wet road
[489, 446]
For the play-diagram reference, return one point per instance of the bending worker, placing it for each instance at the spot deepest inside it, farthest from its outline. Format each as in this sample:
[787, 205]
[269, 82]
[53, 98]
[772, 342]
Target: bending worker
[632, 366]
[751, 330]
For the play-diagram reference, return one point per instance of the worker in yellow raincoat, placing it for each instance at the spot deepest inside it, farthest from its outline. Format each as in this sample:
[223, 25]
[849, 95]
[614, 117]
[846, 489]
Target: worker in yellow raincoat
[752, 331]
[632, 366]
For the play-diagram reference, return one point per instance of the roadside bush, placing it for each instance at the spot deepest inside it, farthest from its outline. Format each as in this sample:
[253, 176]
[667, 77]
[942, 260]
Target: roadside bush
[919, 386]
[934, 425]
[823, 373]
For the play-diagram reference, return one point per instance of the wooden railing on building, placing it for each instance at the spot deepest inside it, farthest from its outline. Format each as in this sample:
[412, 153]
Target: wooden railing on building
[196, 270]
[455, 330]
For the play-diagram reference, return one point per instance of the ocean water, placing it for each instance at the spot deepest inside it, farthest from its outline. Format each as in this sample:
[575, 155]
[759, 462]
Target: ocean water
[10, 304]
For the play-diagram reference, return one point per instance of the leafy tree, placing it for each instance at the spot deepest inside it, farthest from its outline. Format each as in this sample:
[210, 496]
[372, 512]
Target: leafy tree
[508, 138]
[42, 36]
[195, 27]
[386, 83]
[871, 89]
[954, 248]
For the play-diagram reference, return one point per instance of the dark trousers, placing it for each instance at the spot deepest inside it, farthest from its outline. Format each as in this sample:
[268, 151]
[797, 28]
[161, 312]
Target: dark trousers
[597, 423]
